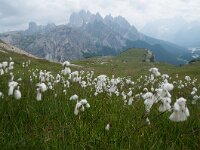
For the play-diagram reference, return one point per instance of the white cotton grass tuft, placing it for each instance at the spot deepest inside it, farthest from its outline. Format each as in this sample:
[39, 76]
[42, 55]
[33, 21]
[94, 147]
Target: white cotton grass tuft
[154, 71]
[19, 79]
[180, 112]
[195, 98]
[1, 70]
[107, 127]
[145, 90]
[77, 108]
[1, 95]
[43, 87]
[4, 64]
[11, 67]
[148, 101]
[83, 102]
[96, 93]
[87, 105]
[130, 93]
[194, 91]
[73, 97]
[165, 76]
[80, 106]
[167, 87]
[66, 71]
[166, 101]
[12, 85]
[39, 94]
[65, 92]
[152, 89]
[55, 95]
[83, 84]
[17, 93]
[187, 78]
[66, 63]
[130, 101]
[147, 95]
[164, 96]
[117, 93]
[148, 121]
[123, 95]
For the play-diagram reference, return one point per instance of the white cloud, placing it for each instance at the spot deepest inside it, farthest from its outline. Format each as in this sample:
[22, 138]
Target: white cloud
[15, 14]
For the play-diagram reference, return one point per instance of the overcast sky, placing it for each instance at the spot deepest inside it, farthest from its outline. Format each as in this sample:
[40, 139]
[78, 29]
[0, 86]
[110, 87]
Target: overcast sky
[15, 14]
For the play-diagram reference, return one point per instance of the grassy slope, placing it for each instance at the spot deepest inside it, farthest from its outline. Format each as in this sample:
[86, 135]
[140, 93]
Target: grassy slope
[129, 63]
[51, 123]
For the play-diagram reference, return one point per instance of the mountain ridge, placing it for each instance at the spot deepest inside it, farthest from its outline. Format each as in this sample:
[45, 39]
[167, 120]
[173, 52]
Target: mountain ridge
[85, 35]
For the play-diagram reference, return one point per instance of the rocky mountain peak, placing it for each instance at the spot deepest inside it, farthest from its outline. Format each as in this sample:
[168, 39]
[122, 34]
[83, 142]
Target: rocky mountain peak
[108, 18]
[78, 19]
[98, 16]
[122, 22]
[32, 27]
[48, 27]
[95, 18]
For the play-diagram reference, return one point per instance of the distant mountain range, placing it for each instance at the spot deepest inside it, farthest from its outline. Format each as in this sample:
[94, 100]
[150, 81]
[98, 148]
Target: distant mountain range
[175, 30]
[88, 35]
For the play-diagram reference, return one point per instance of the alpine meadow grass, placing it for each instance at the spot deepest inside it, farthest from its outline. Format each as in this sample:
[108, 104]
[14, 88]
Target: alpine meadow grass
[99, 103]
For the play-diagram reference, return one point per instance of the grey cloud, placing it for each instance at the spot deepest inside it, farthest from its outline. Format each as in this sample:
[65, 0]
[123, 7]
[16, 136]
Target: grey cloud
[6, 9]
[17, 13]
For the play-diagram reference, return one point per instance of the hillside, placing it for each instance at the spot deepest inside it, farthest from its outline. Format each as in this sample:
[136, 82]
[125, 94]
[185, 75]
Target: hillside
[5, 48]
[110, 112]
[21, 57]
[131, 63]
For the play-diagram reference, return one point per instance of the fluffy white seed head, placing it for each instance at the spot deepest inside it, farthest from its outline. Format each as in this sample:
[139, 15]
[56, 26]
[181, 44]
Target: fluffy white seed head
[73, 97]
[107, 128]
[181, 111]
[17, 94]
